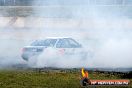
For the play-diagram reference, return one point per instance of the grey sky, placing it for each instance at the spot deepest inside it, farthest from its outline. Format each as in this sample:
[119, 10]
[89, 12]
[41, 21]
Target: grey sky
[64, 2]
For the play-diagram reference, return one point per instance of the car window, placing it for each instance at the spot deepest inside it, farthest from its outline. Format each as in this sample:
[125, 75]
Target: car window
[73, 43]
[35, 43]
[67, 43]
[47, 42]
[62, 43]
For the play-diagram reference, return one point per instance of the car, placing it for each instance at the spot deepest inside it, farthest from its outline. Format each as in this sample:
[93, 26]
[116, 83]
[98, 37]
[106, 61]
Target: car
[61, 46]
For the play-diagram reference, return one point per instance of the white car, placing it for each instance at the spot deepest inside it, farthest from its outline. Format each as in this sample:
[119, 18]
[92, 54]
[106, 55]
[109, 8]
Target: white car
[62, 46]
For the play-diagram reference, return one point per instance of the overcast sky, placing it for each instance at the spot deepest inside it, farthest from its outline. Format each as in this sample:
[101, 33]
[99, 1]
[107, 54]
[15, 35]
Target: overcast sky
[64, 2]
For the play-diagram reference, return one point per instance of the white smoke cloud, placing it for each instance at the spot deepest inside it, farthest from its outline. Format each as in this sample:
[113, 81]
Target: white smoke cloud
[107, 35]
[50, 58]
[114, 53]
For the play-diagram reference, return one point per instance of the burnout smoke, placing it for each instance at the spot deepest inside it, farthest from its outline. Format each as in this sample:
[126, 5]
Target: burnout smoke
[104, 31]
[50, 58]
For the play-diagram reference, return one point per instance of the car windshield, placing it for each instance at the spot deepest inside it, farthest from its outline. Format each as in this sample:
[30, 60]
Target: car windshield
[47, 42]
[67, 43]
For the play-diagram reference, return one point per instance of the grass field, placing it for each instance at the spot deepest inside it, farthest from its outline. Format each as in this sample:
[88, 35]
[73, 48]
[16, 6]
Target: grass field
[52, 79]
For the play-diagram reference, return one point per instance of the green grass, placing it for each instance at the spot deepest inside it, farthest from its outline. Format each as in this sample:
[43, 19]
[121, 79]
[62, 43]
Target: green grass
[32, 79]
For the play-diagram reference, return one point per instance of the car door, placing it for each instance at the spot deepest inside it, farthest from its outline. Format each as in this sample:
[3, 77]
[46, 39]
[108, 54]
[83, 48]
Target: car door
[63, 47]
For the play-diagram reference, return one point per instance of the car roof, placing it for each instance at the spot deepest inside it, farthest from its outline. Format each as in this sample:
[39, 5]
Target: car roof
[52, 38]
[57, 37]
